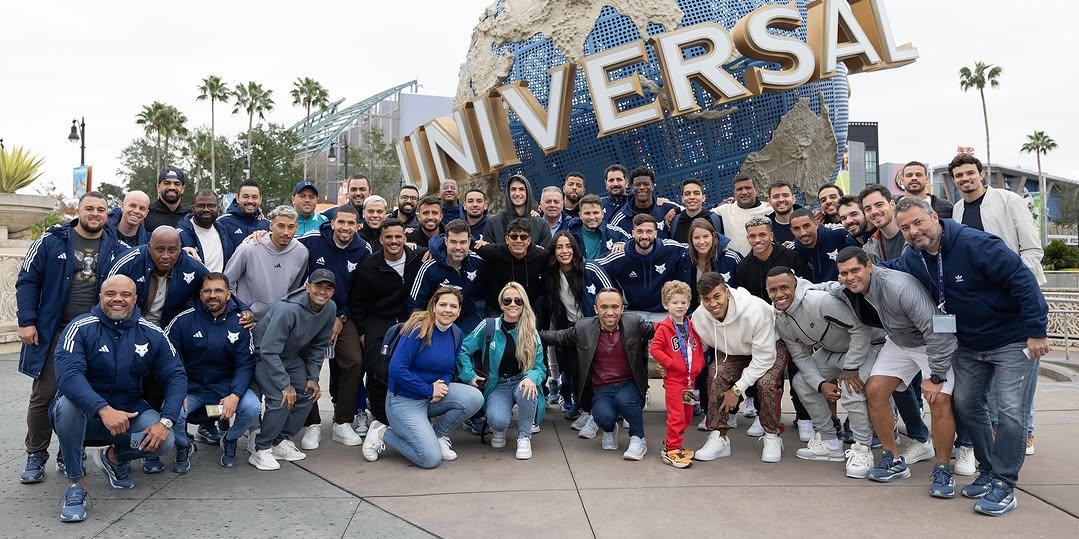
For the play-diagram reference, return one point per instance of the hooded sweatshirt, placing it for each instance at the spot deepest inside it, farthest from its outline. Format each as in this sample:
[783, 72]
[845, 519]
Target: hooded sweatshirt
[602, 239]
[503, 267]
[323, 253]
[641, 277]
[747, 330]
[498, 224]
[240, 225]
[821, 258]
[471, 279]
[611, 205]
[292, 332]
[261, 275]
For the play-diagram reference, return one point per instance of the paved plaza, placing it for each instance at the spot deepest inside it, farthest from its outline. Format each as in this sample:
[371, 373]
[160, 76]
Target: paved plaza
[570, 489]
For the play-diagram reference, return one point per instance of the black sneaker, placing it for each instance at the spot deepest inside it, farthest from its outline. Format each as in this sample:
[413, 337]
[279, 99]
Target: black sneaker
[35, 468]
[228, 452]
[208, 434]
[183, 458]
[152, 465]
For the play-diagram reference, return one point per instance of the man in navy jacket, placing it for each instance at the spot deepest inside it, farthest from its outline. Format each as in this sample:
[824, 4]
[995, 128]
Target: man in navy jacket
[127, 220]
[453, 264]
[162, 263]
[1000, 319]
[641, 269]
[594, 236]
[213, 253]
[59, 280]
[244, 215]
[100, 363]
[643, 181]
[818, 245]
[217, 353]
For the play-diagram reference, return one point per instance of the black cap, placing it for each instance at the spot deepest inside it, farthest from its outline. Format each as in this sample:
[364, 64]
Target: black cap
[322, 276]
[172, 173]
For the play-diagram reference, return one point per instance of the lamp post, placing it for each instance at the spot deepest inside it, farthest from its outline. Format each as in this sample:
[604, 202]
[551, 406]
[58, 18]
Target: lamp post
[78, 134]
[247, 168]
[331, 155]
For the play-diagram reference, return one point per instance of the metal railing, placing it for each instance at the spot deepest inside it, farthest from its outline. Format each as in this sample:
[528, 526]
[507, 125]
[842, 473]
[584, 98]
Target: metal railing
[1063, 317]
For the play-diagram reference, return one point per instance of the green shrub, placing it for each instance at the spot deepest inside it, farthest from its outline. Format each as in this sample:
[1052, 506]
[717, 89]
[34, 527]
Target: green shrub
[1059, 256]
[53, 218]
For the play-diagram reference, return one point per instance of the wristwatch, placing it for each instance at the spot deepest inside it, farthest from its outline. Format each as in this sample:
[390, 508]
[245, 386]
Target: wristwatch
[737, 392]
[167, 422]
[937, 379]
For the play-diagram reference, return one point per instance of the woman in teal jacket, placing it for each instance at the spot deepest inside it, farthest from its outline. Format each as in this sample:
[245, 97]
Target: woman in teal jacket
[511, 370]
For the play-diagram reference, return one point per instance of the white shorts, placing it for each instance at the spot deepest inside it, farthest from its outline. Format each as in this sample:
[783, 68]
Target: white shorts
[905, 364]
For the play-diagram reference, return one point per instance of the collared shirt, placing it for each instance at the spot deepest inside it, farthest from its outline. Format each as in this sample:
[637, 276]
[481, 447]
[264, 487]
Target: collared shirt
[610, 365]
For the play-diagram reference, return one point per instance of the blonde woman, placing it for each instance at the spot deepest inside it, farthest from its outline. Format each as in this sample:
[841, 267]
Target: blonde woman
[421, 387]
[510, 370]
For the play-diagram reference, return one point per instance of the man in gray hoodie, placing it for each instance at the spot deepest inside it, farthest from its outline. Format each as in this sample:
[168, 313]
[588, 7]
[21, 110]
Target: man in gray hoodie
[835, 353]
[918, 340]
[264, 270]
[291, 342]
[520, 202]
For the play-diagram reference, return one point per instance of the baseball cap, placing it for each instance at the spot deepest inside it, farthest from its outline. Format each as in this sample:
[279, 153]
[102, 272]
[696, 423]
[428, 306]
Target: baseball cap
[172, 173]
[322, 276]
[304, 184]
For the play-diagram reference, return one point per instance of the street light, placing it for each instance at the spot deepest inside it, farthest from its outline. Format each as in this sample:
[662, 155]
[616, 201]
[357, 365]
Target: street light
[247, 168]
[331, 156]
[78, 134]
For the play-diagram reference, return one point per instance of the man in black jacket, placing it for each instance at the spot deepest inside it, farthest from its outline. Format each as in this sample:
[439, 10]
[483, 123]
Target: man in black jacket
[167, 209]
[520, 203]
[380, 288]
[430, 219]
[517, 259]
[764, 255]
[610, 368]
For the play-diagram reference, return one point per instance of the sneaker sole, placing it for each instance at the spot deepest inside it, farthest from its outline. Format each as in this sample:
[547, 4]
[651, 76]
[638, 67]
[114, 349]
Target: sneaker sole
[857, 475]
[32, 480]
[290, 458]
[822, 458]
[905, 474]
[349, 443]
[942, 495]
[519, 456]
[498, 445]
[996, 513]
[260, 467]
[77, 518]
[967, 473]
[634, 457]
[697, 456]
[678, 465]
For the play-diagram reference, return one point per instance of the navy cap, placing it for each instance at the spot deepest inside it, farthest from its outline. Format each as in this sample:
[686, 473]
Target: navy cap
[172, 173]
[304, 184]
[322, 276]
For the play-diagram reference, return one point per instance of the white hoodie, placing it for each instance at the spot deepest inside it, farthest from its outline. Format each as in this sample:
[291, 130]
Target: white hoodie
[747, 330]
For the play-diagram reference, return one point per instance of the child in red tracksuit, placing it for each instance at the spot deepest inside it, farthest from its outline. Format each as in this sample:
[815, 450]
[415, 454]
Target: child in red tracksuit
[680, 354]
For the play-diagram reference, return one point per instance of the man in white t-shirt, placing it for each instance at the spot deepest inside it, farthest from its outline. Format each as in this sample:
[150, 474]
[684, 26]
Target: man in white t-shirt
[202, 236]
[746, 206]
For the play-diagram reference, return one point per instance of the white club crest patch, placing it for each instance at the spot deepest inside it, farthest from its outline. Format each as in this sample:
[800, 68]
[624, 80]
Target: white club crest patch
[188, 277]
[832, 255]
[142, 349]
[660, 268]
[726, 277]
[233, 337]
[471, 275]
[591, 289]
[351, 266]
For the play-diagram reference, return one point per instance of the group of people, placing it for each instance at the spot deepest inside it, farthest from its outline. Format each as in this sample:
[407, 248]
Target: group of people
[141, 319]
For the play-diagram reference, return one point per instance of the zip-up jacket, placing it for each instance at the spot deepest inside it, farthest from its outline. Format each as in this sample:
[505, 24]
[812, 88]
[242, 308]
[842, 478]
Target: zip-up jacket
[449, 213]
[44, 284]
[624, 219]
[472, 346]
[292, 332]
[665, 347]
[323, 253]
[820, 260]
[608, 235]
[436, 272]
[748, 329]
[640, 277]
[725, 263]
[752, 272]
[184, 280]
[611, 205]
[240, 225]
[594, 280]
[994, 296]
[216, 351]
[159, 214]
[189, 238]
[141, 235]
[101, 362]
[476, 231]
[379, 295]
[311, 223]
[503, 267]
[683, 220]
[1005, 215]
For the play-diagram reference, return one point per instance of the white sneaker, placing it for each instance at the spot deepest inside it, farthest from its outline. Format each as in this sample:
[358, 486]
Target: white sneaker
[581, 421]
[286, 450]
[362, 423]
[637, 449]
[703, 425]
[859, 461]
[344, 433]
[715, 447]
[756, 429]
[805, 430]
[251, 434]
[750, 409]
[524, 448]
[536, 428]
[263, 460]
[918, 451]
[373, 444]
[312, 435]
[589, 430]
[610, 439]
[732, 421]
[818, 449]
[965, 464]
[625, 424]
[447, 448]
[498, 439]
[773, 448]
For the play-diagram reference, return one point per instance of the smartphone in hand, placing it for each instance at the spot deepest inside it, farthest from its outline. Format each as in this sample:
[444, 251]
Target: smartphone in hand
[136, 439]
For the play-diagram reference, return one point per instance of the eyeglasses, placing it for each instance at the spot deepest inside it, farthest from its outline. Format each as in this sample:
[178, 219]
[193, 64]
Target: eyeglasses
[518, 237]
[520, 302]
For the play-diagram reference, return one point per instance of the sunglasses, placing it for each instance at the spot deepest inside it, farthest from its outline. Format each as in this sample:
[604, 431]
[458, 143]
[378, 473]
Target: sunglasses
[520, 302]
[518, 237]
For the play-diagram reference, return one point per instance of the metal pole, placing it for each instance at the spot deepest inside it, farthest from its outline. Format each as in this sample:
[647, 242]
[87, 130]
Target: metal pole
[1042, 188]
[346, 160]
[82, 142]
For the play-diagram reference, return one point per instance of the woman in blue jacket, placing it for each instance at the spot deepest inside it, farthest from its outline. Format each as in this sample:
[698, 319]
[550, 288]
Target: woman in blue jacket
[510, 369]
[421, 386]
[708, 252]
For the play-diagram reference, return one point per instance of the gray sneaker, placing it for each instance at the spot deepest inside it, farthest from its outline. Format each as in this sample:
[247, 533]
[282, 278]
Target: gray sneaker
[589, 430]
[610, 439]
[637, 449]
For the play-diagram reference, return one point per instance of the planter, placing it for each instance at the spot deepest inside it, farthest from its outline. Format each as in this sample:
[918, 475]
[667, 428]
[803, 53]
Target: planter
[19, 213]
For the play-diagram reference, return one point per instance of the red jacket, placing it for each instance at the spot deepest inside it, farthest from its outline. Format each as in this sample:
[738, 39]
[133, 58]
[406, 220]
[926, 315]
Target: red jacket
[664, 348]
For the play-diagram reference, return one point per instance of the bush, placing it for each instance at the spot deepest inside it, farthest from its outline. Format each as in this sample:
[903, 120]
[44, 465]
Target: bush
[1059, 256]
[53, 218]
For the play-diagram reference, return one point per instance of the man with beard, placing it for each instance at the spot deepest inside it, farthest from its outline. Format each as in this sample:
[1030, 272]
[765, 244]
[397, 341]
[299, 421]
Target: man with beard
[644, 201]
[57, 282]
[203, 235]
[853, 219]
[818, 245]
[520, 204]
[828, 196]
[105, 355]
[407, 199]
[374, 214]
[595, 236]
[614, 179]
[914, 181]
[127, 220]
[167, 209]
[781, 197]
[453, 264]
[517, 260]
[430, 220]
[693, 199]
[359, 188]
[641, 269]
[265, 271]
[735, 215]
[450, 194]
[551, 207]
[475, 213]
[244, 216]
[887, 242]
[572, 190]
[305, 200]
[379, 299]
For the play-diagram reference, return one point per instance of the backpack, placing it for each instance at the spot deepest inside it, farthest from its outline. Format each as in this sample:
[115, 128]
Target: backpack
[480, 362]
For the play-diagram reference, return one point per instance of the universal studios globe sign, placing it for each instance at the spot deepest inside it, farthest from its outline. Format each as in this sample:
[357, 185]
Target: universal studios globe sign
[694, 88]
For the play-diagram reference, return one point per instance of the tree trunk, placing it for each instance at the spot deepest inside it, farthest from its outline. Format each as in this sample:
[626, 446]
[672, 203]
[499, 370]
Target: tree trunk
[988, 155]
[306, 133]
[213, 152]
[157, 151]
[1044, 212]
[250, 160]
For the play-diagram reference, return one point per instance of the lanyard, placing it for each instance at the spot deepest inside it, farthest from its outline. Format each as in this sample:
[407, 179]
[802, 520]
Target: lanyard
[940, 279]
[687, 355]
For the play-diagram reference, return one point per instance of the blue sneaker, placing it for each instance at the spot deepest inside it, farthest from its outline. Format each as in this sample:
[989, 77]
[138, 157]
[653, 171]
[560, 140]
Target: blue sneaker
[228, 452]
[35, 468]
[571, 414]
[889, 469]
[152, 465]
[119, 474]
[943, 485]
[73, 506]
[997, 501]
[475, 426]
[183, 458]
[208, 434]
[980, 487]
[60, 466]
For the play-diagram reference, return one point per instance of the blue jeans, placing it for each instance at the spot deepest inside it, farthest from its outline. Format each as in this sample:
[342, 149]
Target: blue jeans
[247, 416]
[909, 404]
[506, 393]
[1007, 373]
[962, 439]
[73, 427]
[620, 399]
[411, 432]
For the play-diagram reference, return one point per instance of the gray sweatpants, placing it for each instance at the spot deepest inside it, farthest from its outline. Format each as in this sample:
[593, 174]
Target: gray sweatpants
[830, 366]
[278, 422]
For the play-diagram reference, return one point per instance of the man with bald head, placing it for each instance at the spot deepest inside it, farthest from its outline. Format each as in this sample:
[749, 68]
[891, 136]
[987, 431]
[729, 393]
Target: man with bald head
[100, 365]
[127, 219]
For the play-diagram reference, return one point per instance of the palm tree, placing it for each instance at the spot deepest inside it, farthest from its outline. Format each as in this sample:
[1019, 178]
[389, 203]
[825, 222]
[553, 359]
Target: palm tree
[1039, 143]
[214, 89]
[983, 74]
[254, 100]
[150, 118]
[308, 92]
[172, 124]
